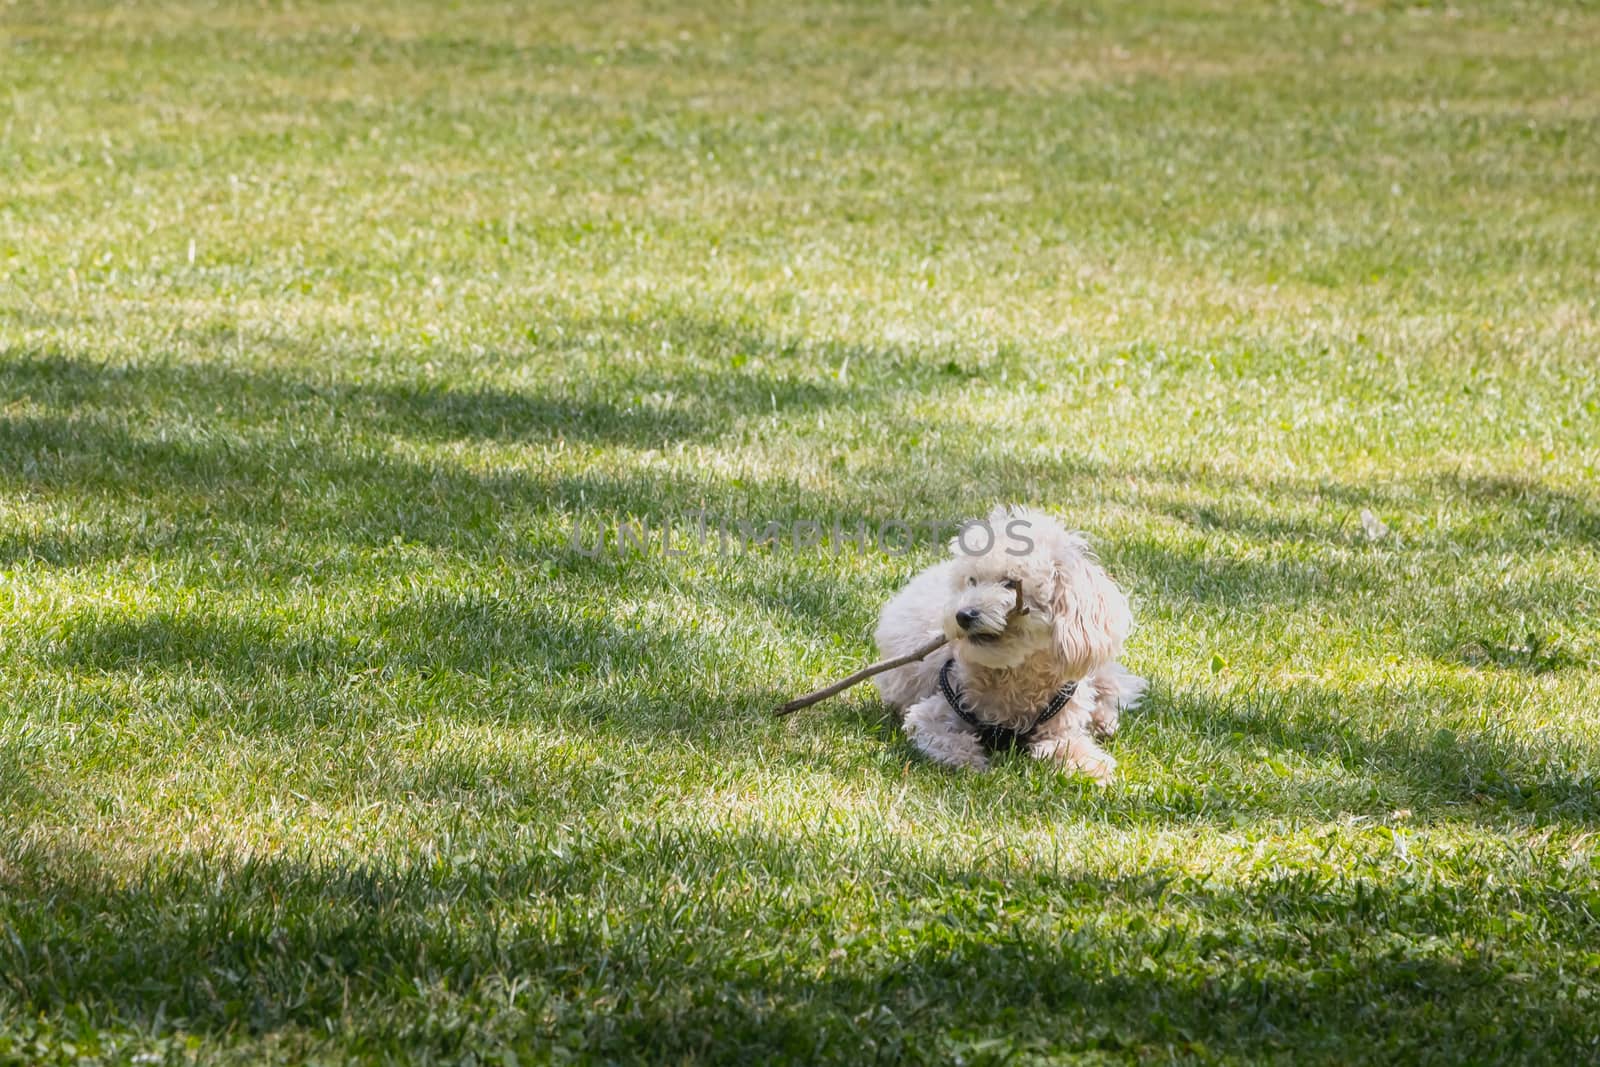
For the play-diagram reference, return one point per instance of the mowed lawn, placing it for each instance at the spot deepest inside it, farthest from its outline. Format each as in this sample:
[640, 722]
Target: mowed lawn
[323, 325]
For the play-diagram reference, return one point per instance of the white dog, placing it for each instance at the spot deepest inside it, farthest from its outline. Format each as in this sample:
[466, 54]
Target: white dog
[1035, 626]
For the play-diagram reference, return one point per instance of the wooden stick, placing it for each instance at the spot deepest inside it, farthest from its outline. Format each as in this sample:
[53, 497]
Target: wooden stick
[862, 675]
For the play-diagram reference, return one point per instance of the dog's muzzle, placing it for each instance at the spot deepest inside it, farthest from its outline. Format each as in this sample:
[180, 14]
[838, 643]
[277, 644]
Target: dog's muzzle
[977, 629]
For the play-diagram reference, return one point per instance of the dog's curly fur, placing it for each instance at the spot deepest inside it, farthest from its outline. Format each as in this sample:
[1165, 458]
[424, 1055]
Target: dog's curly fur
[1010, 663]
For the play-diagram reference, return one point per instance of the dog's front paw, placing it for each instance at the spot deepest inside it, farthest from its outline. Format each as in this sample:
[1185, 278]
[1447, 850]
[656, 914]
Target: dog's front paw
[956, 753]
[937, 734]
[1105, 720]
[968, 762]
[1100, 769]
[1079, 755]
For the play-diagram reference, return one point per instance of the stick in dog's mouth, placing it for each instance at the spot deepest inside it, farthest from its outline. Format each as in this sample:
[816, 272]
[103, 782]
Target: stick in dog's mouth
[994, 638]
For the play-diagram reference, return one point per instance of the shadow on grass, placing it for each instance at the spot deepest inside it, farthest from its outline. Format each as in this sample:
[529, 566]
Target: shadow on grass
[222, 431]
[1326, 752]
[172, 494]
[1273, 511]
[728, 946]
[531, 627]
[732, 373]
[1507, 507]
[169, 454]
[1529, 653]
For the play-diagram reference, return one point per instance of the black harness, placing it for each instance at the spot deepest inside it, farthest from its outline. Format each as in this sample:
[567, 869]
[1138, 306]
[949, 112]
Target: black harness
[992, 735]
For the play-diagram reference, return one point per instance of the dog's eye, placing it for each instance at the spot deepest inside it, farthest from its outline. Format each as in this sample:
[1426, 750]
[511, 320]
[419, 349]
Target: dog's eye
[1013, 584]
[972, 581]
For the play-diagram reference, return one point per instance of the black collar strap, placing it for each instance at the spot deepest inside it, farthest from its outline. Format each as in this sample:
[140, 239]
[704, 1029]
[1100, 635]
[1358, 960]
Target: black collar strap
[991, 734]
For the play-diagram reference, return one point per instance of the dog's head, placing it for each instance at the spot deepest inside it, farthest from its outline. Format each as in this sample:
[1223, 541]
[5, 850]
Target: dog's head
[1023, 586]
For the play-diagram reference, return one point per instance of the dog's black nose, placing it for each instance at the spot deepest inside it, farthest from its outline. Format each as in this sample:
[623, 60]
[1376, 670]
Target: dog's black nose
[966, 617]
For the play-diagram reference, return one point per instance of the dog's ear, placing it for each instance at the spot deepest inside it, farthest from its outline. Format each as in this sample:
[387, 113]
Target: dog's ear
[1091, 616]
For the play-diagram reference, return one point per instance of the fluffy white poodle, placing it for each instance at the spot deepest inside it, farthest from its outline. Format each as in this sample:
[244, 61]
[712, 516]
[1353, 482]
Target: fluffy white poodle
[1035, 627]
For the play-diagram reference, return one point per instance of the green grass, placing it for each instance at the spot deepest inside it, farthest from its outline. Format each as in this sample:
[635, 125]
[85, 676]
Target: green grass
[322, 323]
